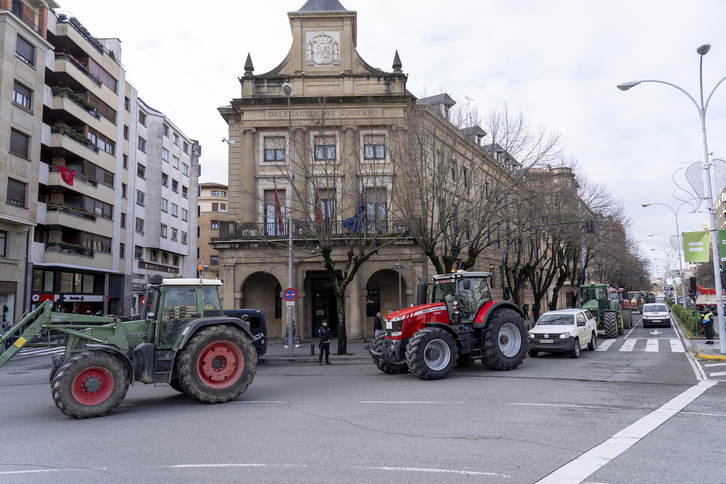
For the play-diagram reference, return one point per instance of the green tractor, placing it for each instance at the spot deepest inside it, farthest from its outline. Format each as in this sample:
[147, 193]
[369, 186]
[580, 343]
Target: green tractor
[607, 305]
[183, 339]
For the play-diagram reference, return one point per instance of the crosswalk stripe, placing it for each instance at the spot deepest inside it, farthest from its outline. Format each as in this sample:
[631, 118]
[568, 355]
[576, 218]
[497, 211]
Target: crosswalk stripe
[677, 346]
[652, 345]
[628, 345]
[605, 345]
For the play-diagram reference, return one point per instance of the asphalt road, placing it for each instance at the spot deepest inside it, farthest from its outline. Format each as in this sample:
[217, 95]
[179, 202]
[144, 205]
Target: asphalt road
[636, 411]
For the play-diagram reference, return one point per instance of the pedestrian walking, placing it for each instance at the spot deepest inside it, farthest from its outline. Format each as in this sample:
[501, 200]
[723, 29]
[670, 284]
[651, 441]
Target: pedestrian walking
[377, 324]
[325, 335]
[707, 322]
[525, 308]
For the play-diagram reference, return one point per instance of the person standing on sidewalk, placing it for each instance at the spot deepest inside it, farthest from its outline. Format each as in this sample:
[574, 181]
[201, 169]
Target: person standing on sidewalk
[377, 324]
[708, 326]
[325, 335]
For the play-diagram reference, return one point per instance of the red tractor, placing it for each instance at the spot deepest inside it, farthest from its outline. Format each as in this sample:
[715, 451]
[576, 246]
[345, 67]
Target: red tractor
[461, 323]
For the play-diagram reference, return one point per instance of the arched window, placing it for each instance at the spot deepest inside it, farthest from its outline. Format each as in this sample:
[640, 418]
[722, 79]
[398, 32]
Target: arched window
[373, 298]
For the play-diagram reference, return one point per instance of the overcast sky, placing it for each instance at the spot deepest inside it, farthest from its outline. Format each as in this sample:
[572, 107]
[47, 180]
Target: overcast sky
[556, 61]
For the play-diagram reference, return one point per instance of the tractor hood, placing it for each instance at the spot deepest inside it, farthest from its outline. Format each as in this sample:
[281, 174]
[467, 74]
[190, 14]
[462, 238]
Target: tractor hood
[591, 304]
[416, 311]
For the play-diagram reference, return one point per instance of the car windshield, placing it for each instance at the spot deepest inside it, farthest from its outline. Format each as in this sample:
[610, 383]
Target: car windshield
[555, 319]
[655, 308]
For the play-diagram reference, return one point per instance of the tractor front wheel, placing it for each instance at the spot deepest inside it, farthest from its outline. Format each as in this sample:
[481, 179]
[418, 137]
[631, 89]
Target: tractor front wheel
[217, 364]
[504, 343]
[386, 367]
[431, 354]
[610, 324]
[90, 384]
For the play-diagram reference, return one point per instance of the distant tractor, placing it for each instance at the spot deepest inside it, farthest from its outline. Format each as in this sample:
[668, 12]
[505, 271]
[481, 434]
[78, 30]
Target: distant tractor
[636, 299]
[460, 323]
[606, 305]
[183, 339]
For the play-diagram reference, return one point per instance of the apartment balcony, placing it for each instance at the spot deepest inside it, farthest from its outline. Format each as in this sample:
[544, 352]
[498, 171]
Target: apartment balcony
[73, 29]
[75, 255]
[74, 142]
[83, 185]
[69, 216]
[304, 230]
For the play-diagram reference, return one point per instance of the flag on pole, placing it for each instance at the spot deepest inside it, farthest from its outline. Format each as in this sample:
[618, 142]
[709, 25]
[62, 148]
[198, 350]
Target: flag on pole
[278, 211]
[357, 222]
[695, 247]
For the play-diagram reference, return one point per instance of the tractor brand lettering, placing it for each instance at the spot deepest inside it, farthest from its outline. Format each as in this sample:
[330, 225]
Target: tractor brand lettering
[430, 310]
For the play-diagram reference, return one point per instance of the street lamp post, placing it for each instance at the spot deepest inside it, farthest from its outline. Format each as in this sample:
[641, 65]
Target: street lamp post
[702, 107]
[678, 239]
[398, 267]
[287, 90]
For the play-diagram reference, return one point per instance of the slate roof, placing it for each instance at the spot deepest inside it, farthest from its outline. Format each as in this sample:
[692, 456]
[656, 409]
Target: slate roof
[323, 6]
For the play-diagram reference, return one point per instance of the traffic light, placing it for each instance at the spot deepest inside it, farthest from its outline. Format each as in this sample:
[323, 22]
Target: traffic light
[59, 302]
[590, 225]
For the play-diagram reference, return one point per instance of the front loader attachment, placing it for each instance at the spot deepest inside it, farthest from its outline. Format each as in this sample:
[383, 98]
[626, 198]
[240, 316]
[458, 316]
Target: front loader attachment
[27, 328]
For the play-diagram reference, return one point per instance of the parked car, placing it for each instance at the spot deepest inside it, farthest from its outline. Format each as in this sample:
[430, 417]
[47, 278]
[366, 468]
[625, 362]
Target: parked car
[258, 326]
[656, 314]
[564, 330]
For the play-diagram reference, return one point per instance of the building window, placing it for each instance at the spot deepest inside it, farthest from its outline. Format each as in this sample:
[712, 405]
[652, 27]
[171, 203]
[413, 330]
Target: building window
[465, 177]
[376, 207]
[141, 171]
[214, 260]
[140, 196]
[164, 205]
[185, 214]
[185, 192]
[175, 162]
[123, 220]
[126, 133]
[19, 143]
[215, 225]
[184, 237]
[142, 118]
[175, 260]
[142, 144]
[164, 180]
[122, 250]
[163, 230]
[186, 147]
[123, 190]
[175, 210]
[174, 186]
[275, 148]
[373, 299]
[126, 162]
[25, 50]
[16, 193]
[127, 104]
[138, 252]
[176, 139]
[3, 243]
[174, 233]
[165, 154]
[140, 225]
[374, 147]
[222, 207]
[22, 96]
[274, 212]
[185, 169]
[324, 148]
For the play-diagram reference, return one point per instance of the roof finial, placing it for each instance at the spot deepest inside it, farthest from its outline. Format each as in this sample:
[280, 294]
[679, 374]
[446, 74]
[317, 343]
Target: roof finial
[249, 68]
[397, 63]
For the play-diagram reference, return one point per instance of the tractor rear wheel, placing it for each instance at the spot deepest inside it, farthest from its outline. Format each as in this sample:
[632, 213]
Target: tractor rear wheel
[627, 318]
[504, 343]
[610, 324]
[431, 354]
[90, 384]
[217, 364]
[391, 368]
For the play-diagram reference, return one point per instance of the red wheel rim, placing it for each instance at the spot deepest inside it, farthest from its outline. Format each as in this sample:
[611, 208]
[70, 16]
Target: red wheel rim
[220, 364]
[92, 385]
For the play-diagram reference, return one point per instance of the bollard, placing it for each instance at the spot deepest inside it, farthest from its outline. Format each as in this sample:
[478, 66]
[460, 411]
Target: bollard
[312, 349]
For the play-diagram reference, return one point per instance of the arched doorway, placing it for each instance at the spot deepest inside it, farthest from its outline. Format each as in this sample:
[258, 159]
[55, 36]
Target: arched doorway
[261, 290]
[382, 290]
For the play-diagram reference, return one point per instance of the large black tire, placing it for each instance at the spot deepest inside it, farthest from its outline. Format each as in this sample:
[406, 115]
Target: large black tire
[627, 318]
[575, 353]
[431, 354]
[610, 324]
[504, 342]
[90, 384]
[217, 364]
[383, 365]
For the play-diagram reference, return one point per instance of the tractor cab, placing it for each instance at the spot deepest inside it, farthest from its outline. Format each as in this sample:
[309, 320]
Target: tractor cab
[464, 293]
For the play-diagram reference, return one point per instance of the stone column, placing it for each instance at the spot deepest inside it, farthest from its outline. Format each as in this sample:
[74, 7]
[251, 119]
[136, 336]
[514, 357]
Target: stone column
[355, 316]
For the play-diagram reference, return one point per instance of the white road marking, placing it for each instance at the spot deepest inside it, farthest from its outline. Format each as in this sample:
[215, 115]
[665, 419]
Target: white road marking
[604, 345]
[406, 402]
[593, 460]
[677, 346]
[628, 345]
[718, 373]
[554, 405]
[652, 345]
[714, 364]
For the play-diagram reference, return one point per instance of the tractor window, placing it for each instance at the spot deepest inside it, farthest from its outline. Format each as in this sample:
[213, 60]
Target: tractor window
[210, 298]
[180, 307]
[472, 298]
[443, 289]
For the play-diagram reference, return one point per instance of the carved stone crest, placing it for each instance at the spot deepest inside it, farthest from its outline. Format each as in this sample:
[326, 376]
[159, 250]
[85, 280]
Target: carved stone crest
[323, 48]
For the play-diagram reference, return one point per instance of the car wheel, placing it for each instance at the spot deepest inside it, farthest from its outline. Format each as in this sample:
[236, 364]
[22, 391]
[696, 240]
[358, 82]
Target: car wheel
[592, 345]
[575, 352]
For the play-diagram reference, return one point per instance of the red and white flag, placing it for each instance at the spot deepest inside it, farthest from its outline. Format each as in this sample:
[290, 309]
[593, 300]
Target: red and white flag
[66, 174]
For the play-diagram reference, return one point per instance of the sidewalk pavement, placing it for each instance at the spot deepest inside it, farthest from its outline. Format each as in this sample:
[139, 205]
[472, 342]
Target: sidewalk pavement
[307, 352]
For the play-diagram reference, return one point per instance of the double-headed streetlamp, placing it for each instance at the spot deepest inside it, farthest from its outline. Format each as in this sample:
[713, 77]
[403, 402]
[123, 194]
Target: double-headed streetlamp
[702, 107]
[287, 90]
[678, 239]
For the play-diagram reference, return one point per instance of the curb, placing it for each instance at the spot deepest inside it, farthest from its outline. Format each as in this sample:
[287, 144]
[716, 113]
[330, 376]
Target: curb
[706, 356]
